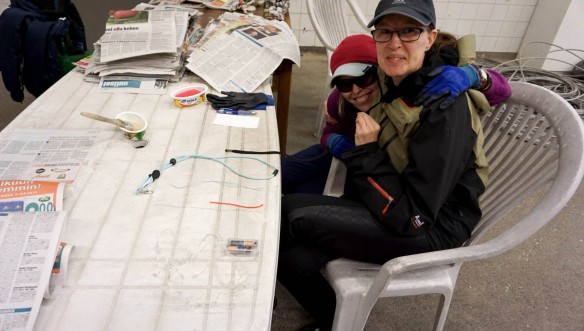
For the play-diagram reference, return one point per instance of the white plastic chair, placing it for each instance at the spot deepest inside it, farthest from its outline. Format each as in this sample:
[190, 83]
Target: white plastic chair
[359, 15]
[534, 142]
[331, 26]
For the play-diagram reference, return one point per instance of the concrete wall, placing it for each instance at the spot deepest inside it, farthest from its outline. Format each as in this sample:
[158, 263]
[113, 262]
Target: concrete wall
[498, 24]
[95, 13]
[542, 30]
[569, 36]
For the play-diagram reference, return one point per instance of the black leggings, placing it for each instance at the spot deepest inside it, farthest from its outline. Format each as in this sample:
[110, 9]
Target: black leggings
[316, 229]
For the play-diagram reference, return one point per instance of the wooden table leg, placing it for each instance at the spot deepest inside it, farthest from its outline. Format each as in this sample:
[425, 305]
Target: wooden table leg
[283, 85]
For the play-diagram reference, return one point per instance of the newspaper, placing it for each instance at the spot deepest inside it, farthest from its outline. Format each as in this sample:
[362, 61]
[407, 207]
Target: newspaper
[44, 155]
[238, 52]
[28, 243]
[218, 4]
[154, 64]
[181, 3]
[181, 18]
[169, 5]
[130, 33]
[122, 51]
[30, 196]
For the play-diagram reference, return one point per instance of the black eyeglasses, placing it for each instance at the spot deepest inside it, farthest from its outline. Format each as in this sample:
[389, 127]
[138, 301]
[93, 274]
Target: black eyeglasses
[405, 34]
[346, 85]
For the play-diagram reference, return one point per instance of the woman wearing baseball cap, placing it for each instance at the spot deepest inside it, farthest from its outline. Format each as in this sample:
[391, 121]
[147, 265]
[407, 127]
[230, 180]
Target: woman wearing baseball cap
[418, 170]
[354, 78]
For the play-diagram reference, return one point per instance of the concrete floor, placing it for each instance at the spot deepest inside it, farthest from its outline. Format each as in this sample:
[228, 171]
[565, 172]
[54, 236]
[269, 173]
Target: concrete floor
[539, 285]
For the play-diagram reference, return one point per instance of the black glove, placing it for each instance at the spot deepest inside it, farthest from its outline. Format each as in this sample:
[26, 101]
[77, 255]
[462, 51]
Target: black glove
[237, 100]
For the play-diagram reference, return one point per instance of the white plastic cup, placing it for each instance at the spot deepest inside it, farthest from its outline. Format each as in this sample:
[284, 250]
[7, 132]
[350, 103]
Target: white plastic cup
[138, 122]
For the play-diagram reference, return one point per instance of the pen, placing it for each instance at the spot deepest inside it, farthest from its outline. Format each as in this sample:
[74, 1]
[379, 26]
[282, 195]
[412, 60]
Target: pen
[231, 111]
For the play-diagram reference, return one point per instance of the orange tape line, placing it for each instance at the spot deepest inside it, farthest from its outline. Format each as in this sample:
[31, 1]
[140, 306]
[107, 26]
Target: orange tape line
[234, 204]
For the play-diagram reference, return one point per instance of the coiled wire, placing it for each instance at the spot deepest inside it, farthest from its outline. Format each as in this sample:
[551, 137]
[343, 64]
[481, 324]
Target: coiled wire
[568, 86]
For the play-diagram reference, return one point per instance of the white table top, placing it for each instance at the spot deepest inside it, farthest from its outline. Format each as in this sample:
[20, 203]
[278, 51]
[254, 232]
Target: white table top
[158, 261]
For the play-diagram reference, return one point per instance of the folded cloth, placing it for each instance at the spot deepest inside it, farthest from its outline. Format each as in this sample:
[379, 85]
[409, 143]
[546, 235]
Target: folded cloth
[241, 101]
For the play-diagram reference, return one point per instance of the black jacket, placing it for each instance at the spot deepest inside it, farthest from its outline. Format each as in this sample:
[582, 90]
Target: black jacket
[428, 169]
[33, 34]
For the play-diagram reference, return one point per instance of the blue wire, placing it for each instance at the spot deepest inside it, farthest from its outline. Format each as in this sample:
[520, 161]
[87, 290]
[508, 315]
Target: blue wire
[164, 167]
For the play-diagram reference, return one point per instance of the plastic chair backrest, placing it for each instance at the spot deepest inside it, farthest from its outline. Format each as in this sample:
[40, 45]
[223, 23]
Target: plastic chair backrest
[359, 15]
[526, 142]
[329, 21]
[331, 25]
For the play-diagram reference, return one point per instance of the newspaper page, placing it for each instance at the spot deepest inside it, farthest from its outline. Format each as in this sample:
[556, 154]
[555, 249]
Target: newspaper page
[218, 4]
[154, 64]
[59, 272]
[144, 73]
[242, 51]
[167, 6]
[44, 155]
[166, 2]
[133, 84]
[182, 3]
[28, 243]
[187, 30]
[130, 33]
[181, 18]
[30, 196]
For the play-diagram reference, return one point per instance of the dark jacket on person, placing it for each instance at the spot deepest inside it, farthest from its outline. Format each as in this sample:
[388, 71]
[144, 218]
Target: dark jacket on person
[32, 35]
[427, 170]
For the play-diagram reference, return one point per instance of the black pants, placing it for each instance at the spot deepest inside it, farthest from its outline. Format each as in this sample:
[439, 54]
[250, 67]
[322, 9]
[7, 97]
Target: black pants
[306, 171]
[316, 229]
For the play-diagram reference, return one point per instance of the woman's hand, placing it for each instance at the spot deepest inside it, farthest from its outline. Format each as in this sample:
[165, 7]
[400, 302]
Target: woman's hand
[367, 129]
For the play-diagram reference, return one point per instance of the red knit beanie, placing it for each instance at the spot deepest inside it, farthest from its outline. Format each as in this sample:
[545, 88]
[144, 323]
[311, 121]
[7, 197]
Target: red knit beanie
[353, 56]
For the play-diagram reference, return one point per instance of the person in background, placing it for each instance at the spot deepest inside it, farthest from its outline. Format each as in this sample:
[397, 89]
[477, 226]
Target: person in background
[418, 170]
[354, 68]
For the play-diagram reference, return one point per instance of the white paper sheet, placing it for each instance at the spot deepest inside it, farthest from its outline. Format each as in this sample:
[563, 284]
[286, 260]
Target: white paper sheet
[44, 155]
[240, 121]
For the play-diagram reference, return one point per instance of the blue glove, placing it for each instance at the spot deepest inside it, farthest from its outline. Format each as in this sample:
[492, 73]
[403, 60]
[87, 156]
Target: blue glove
[337, 144]
[448, 81]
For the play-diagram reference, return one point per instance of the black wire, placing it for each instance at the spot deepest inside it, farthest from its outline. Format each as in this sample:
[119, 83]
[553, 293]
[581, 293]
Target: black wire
[237, 151]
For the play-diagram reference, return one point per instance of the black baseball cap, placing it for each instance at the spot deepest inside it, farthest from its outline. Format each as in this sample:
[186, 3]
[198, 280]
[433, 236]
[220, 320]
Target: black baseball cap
[419, 10]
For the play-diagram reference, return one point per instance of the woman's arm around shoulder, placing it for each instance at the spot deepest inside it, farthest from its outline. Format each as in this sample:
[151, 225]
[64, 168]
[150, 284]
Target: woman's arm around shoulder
[499, 89]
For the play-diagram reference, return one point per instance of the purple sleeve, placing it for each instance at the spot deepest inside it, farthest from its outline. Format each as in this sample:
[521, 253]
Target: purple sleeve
[499, 90]
[332, 107]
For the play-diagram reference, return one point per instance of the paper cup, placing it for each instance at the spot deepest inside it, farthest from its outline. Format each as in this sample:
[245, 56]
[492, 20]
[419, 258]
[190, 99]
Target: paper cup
[190, 95]
[138, 121]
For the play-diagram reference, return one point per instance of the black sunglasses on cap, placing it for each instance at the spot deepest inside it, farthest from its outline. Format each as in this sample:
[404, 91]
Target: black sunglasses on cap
[346, 85]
